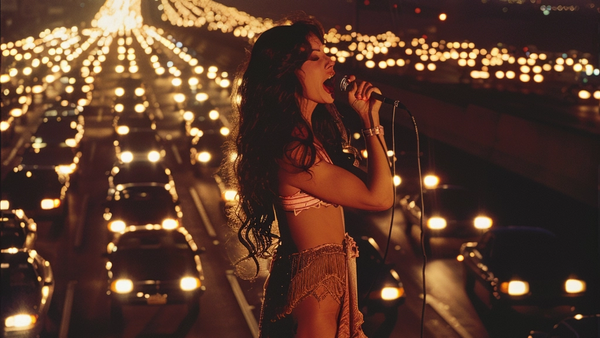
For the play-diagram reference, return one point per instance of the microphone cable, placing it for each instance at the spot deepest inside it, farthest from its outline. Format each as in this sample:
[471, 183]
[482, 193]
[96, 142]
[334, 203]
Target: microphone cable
[393, 168]
[396, 103]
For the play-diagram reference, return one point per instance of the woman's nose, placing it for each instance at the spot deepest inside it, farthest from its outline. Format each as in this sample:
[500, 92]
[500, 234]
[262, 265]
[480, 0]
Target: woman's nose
[330, 61]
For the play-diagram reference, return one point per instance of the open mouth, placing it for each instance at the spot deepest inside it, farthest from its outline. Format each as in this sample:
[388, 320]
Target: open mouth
[329, 85]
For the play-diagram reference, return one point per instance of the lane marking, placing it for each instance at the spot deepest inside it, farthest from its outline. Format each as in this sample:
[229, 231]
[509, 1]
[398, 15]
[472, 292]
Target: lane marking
[176, 153]
[66, 315]
[202, 211]
[243, 303]
[14, 151]
[81, 221]
[92, 151]
[442, 311]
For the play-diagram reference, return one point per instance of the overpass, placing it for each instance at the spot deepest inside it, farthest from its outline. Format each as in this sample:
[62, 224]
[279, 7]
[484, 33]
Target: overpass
[554, 144]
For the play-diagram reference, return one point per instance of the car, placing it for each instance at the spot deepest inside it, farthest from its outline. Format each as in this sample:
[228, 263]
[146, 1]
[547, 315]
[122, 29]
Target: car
[39, 183]
[140, 145]
[18, 230]
[578, 326]
[140, 172]
[380, 289]
[69, 112]
[7, 126]
[56, 132]
[130, 120]
[131, 87]
[229, 195]
[208, 134]
[27, 289]
[526, 270]
[137, 206]
[451, 211]
[154, 267]
[134, 103]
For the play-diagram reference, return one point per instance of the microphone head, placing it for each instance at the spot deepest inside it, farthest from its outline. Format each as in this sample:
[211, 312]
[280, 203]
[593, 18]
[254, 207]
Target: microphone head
[344, 83]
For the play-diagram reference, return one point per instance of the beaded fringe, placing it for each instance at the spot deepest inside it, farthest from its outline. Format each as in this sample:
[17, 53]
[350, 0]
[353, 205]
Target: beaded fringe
[319, 272]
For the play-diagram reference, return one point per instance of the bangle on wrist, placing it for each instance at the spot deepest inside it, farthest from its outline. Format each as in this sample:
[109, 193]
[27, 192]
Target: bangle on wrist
[373, 131]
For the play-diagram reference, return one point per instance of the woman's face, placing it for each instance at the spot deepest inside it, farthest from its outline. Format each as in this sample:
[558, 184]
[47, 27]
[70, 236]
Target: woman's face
[316, 76]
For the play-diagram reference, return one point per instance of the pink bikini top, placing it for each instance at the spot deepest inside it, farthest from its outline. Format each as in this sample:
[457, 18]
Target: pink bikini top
[301, 201]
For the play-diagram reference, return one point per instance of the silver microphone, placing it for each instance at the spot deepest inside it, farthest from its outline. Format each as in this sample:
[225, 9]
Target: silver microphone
[344, 88]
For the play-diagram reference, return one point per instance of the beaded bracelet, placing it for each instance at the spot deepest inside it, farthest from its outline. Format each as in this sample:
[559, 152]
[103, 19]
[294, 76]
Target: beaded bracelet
[373, 131]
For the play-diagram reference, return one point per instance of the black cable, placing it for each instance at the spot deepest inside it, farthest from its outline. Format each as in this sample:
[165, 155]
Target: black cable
[393, 168]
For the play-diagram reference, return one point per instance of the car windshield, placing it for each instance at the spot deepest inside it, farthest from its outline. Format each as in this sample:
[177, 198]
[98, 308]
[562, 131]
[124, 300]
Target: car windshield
[156, 263]
[530, 253]
[19, 286]
[150, 201]
[459, 202]
[12, 235]
[138, 172]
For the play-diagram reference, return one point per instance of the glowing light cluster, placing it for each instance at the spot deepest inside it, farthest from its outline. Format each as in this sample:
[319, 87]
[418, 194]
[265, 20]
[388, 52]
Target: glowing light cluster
[214, 15]
[116, 15]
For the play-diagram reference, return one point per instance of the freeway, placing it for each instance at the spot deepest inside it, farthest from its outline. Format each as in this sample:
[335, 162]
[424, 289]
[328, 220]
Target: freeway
[80, 307]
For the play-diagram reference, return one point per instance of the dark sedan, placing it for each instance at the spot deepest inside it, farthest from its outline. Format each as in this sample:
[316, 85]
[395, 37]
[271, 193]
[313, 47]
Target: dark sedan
[69, 112]
[141, 145]
[578, 326]
[380, 289]
[141, 172]
[138, 206]
[450, 211]
[18, 230]
[154, 267]
[131, 120]
[526, 269]
[27, 288]
[40, 182]
[57, 132]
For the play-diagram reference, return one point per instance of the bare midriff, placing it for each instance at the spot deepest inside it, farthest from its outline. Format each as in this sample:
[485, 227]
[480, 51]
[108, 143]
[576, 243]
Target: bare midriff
[316, 226]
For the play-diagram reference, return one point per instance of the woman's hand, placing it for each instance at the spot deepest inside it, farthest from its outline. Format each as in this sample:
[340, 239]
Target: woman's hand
[359, 97]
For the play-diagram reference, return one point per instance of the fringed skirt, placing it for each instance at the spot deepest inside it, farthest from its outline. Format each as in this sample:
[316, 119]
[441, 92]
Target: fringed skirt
[325, 270]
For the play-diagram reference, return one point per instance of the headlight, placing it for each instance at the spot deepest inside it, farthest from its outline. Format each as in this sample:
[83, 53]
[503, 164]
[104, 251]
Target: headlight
[4, 126]
[189, 283]
[391, 293]
[204, 156]
[224, 131]
[116, 226]
[122, 130]
[122, 286]
[66, 169]
[575, 286]
[170, 224]
[515, 287]
[50, 203]
[20, 321]
[153, 156]
[213, 114]
[16, 112]
[482, 222]
[196, 132]
[436, 223]
[126, 156]
[230, 195]
[188, 116]
[431, 181]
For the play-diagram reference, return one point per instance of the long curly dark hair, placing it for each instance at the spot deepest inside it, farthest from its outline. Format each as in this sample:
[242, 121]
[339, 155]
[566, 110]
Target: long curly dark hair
[266, 101]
